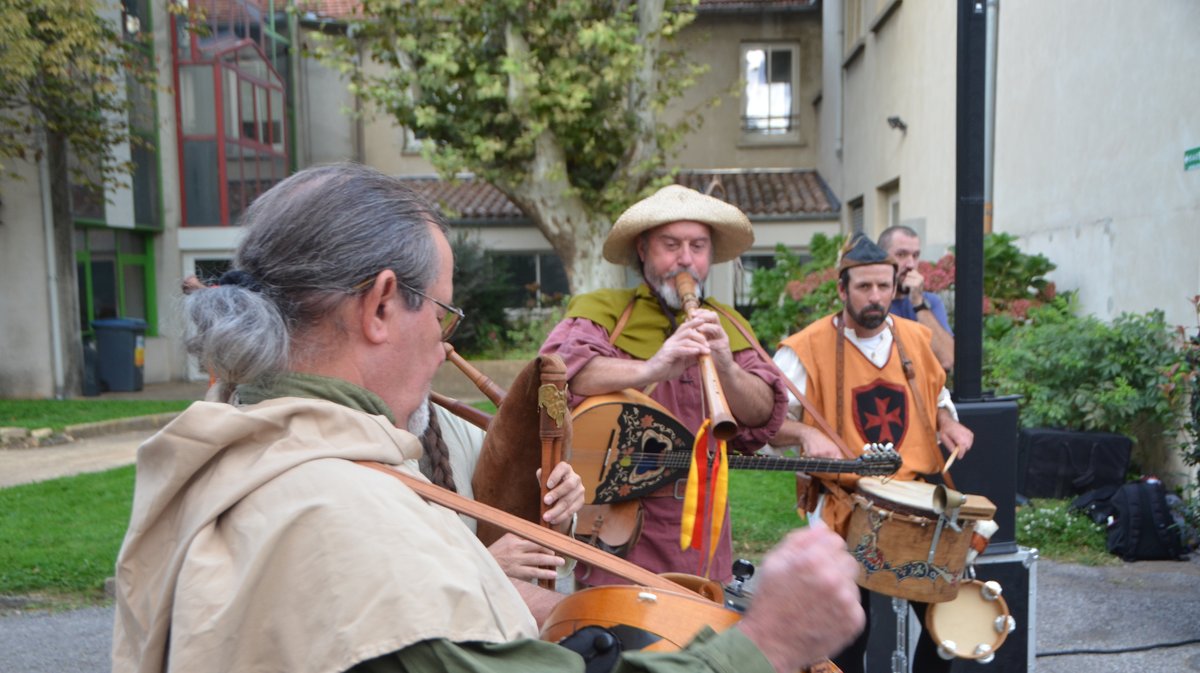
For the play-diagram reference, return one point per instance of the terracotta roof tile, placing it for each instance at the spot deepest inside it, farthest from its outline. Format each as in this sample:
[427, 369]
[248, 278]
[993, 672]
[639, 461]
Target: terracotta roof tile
[767, 192]
[720, 5]
[466, 198]
[328, 9]
[762, 193]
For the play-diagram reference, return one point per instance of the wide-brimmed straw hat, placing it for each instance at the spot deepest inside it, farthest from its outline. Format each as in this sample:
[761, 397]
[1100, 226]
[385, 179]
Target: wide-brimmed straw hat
[731, 231]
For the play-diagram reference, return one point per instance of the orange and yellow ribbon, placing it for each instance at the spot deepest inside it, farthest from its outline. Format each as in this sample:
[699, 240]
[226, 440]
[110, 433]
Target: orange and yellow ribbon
[707, 492]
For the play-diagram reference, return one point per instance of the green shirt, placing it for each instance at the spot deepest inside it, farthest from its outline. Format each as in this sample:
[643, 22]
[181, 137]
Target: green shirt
[726, 652]
[648, 327]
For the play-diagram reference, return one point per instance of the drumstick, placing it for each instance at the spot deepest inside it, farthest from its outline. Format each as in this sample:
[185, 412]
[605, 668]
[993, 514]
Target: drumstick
[953, 455]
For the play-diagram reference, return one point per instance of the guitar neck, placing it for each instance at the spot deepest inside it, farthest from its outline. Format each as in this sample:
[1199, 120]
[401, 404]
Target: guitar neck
[797, 464]
[682, 459]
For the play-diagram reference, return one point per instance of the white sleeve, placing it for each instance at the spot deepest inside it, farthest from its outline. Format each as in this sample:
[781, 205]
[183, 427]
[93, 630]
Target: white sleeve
[789, 363]
[944, 402]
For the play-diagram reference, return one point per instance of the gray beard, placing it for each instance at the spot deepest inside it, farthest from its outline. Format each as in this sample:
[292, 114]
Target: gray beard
[666, 290]
[418, 420]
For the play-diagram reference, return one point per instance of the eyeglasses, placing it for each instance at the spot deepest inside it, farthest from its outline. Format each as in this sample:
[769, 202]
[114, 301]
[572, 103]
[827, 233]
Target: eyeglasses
[450, 319]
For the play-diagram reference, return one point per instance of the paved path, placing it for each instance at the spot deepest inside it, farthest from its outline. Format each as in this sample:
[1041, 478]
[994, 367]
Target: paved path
[1121, 607]
[22, 466]
[1138, 607]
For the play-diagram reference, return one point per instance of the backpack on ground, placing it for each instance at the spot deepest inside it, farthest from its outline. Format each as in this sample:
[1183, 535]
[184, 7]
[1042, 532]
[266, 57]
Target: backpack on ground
[1140, 527]
[1096, 504]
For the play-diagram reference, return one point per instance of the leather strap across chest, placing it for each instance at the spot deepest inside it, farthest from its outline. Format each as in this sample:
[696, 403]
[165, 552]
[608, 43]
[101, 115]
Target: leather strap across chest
[550, 539]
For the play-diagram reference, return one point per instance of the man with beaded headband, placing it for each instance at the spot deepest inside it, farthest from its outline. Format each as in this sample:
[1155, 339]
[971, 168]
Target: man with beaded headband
[641, 338]
[258, 543]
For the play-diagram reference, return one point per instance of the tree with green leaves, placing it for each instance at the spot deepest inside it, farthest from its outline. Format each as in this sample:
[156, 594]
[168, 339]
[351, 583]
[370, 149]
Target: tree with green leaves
[555, 104]
[64, 68]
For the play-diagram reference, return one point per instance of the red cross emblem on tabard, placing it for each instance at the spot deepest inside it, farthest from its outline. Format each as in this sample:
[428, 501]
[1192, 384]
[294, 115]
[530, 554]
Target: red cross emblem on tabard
[881, 412]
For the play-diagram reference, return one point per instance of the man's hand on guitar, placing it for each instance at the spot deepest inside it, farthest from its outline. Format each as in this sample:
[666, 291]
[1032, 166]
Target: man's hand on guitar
[814, 442]
[806, 606]
[565, 495]
[523, 560]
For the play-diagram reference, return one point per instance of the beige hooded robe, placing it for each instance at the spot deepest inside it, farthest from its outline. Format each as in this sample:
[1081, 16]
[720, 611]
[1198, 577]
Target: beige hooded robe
[256, 545]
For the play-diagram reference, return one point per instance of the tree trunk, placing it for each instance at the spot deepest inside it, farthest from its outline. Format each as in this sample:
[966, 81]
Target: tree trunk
[66, 282]
[590, 271]
[576, 234]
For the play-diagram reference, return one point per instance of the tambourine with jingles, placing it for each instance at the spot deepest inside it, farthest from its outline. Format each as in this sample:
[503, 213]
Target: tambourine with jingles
[973, 625]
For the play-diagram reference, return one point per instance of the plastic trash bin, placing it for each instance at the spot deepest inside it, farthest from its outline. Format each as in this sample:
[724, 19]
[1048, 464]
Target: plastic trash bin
[121, 350]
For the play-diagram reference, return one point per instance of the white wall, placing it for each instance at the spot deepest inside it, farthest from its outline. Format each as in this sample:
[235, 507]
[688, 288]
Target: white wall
[905, 68]
[25, 366]
[1090, 136]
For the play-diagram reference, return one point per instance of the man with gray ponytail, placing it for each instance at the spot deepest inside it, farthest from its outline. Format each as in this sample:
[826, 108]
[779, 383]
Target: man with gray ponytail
[256, 542]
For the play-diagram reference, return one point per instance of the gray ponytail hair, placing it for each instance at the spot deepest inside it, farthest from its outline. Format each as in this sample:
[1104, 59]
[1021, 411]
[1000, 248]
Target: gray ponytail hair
[311, 243]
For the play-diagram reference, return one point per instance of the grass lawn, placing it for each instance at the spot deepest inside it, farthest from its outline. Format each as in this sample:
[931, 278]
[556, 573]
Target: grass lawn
[763, 508]
[59, 539]
[58, 414]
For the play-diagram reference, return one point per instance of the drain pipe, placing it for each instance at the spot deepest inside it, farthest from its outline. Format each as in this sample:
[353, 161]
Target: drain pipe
[989, 110]
[56, 358]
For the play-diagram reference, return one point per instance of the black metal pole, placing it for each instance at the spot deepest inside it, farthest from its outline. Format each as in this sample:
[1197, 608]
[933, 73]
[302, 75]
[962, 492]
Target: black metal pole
[969, 201]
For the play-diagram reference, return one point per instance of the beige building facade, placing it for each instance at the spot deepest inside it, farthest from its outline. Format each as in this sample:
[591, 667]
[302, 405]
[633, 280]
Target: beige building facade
[1090, 143]
[855, 114]
[1093, 116]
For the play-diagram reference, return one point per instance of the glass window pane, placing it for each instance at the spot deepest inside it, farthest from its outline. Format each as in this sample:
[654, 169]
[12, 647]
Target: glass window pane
[87, 196]
[145, 184]
[246, 107]
[769, 75]
[554, 279]
[141, 101]
[232, 124]
[276, 137]
[134, 276]
[132, 243]
[781, 66]
[209, 270]
[240, 180]
[757, 105]
[104, 288]
[102, 239]
[196, 100]
[522, 274]
[200, 183]
[85, 299]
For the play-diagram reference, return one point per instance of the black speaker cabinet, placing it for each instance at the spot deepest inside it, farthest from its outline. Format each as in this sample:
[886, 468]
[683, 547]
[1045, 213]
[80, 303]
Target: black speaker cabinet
[888, 646]
[990, 469]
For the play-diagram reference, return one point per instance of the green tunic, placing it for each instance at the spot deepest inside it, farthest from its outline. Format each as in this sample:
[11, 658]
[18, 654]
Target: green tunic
[727, 652]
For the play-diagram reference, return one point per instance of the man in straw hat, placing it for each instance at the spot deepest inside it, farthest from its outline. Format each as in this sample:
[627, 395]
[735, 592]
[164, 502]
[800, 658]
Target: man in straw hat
[641, 338]
[877, 403]
[257, 541]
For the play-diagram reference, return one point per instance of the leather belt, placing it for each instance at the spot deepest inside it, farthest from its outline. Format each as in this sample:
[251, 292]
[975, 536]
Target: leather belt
[675, 489]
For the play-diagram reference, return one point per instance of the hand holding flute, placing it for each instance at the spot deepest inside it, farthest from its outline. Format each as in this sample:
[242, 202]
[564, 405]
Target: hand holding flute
[723, 424]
